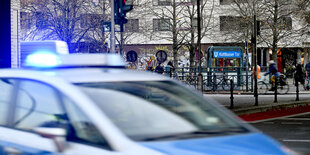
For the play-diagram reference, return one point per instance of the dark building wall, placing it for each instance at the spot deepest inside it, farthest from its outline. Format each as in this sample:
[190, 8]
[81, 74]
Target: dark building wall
[5, 31]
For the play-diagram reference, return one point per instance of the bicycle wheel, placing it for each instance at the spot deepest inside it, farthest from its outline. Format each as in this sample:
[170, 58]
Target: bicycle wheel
[209, 85]
[283, 88]
[189, 80]
[262, 87]
[226, 85]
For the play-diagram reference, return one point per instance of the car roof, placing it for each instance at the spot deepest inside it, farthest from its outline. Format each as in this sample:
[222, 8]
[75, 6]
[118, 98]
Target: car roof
[77, 75]
[86, 74]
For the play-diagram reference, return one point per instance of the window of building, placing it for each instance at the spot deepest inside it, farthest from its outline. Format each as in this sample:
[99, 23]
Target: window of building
[161, 25]
[161, 2]
[132, 25]
[25, 20]
[195, 22]
[233, 23]
[91, 20]
[228, 2]
[284, 23]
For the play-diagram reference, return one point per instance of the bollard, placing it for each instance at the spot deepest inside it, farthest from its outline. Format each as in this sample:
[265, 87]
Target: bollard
[214, 82]
[231, 94]
[276, 91]
[297, 90]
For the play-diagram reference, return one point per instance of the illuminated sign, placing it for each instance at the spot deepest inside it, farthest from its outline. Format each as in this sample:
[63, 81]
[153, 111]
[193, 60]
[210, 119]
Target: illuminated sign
[226, 54]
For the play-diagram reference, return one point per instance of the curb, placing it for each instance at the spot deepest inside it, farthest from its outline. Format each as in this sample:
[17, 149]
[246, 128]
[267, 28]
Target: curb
[271, 107]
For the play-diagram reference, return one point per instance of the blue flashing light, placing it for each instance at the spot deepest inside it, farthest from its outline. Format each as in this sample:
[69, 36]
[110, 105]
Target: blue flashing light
[42, 59]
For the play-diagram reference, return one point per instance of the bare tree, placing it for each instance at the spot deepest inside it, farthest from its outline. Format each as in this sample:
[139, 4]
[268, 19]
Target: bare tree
[180, 17]
[168, 23]
[206, 10]
[66, 20]
[276, 22]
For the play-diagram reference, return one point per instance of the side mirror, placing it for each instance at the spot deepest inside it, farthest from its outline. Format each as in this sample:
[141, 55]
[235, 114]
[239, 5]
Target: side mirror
[58, 135]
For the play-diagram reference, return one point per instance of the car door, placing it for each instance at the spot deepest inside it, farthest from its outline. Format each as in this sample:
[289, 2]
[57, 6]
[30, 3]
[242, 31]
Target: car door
[39, 104]
[7, 146]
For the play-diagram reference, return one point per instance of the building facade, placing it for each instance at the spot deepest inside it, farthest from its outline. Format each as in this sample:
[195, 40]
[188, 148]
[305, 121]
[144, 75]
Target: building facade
[15, 33]
[156, 25]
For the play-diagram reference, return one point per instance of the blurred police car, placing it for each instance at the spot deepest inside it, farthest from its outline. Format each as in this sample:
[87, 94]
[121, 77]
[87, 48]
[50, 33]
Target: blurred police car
[89, 104]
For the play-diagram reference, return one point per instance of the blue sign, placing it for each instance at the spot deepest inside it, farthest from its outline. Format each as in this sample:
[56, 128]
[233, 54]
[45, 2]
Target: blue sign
[226, 54]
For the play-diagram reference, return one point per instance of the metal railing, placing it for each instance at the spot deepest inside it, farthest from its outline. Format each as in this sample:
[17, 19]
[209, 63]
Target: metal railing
[216, 78]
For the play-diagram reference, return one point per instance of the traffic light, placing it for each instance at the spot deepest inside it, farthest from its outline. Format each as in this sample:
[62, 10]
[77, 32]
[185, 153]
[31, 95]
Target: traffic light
[121, 8]
[125, 6]
[258, 27]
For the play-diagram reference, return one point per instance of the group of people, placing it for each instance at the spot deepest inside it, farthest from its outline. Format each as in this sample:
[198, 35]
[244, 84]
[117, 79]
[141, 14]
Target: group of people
[298, 73]
[161, 69]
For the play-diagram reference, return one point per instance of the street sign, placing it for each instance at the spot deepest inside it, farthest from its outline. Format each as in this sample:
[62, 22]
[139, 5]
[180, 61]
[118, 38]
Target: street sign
[226, 54]
[131, 56]
[161, 56]
[107, 27]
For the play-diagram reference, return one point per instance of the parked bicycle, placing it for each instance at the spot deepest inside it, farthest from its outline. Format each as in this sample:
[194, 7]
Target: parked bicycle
[190, 79]
[217, 82]
[264, 86]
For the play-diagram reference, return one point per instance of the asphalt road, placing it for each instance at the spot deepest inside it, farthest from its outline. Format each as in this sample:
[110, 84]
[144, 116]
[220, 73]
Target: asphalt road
[293, 131]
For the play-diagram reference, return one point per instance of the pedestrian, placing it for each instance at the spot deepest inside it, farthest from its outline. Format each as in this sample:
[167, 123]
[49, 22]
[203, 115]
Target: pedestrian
[307, 68]
[258, 71]
[159, 69]
[169, 68]
[299, 74]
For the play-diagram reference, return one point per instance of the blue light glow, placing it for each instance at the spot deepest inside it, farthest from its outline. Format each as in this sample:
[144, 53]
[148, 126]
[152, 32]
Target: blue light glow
[42, 59]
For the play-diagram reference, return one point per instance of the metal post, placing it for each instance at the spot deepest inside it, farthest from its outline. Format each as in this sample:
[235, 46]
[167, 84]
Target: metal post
[200, 77]
[255, 62]
[231, 94]
[214, 82]
[112, 44]
[297, 90]
[246, 66]
[122, 41]
[276, 91]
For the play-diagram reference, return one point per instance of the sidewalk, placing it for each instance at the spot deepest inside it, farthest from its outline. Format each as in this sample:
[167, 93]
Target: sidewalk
[244, 103]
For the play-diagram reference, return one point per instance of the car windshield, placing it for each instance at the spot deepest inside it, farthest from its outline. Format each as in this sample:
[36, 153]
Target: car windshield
[153, 109]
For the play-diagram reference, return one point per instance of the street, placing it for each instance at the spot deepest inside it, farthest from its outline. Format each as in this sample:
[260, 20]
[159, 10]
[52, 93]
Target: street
[293, 132]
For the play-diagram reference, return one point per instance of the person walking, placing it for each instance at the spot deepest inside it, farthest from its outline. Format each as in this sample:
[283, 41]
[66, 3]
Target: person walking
[169, 68]
[299, 74]
[307, 69]
[159, 69]
[258, 71]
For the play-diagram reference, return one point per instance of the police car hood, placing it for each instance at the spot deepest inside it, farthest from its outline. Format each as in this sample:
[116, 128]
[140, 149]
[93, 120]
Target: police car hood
[253, 144]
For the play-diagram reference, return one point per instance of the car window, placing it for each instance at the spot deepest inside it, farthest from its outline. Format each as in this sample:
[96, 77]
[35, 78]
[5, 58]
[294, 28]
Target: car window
[84, 130]
[6, 88]
[147, 109]
[37, 105]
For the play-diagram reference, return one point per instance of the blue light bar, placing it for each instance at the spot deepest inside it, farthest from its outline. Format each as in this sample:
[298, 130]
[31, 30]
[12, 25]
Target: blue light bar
[42, 60]
[52, 60]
